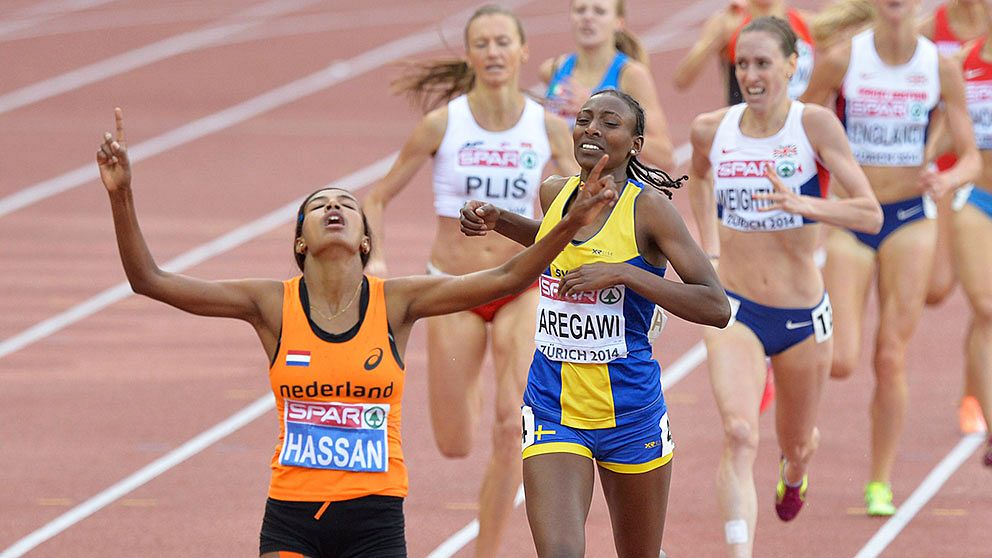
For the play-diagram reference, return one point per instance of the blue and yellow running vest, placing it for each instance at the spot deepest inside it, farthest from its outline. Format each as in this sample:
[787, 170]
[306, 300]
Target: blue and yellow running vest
[593, 366]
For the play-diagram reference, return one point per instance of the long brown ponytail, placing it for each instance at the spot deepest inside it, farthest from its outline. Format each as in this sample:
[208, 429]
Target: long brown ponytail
[625, 41]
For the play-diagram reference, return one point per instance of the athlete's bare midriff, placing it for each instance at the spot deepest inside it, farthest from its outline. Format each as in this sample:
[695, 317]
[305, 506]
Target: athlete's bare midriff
[892, 184]
[772, 268]
[457, 254]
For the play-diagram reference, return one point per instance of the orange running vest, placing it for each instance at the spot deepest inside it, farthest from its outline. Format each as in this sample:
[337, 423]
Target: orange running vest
[338, 398]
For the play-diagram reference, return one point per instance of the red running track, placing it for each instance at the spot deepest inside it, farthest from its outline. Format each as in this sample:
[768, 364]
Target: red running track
[95, 400]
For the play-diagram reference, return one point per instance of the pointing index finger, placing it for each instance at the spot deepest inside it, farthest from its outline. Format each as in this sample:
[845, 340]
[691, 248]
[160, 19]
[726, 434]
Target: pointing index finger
[593, 177]
[119, 119]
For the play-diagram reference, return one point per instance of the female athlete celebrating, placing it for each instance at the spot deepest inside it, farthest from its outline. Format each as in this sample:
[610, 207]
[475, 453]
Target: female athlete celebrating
[335, 338]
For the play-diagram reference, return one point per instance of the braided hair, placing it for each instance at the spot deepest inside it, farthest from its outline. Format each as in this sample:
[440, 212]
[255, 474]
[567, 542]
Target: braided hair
[637, 170]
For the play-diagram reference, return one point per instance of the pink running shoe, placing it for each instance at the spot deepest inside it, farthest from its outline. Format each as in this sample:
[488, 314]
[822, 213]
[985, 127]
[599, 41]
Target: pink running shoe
[789, 499]
[769, 395]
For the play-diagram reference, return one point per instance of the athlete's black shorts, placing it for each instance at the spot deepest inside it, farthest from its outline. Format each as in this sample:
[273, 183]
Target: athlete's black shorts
[367, 527]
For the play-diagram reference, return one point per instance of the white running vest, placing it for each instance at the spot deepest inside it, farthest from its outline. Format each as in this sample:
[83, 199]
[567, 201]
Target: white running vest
[739, 164]
[978, 91]
[502, 168]
[886, 109]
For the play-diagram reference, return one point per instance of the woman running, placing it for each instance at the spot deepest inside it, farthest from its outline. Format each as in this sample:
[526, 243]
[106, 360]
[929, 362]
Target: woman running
[888, 81]
[608, 56]
[972, 233]
[335, 338]
[593, 399]
[951, 26]
[490, 142]
[758, 164]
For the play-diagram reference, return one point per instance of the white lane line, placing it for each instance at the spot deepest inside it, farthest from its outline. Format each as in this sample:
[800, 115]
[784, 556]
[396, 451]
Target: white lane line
[186, 260]
[322, 79]
[36, 15]
[148, 54]
[923, 493]
[239, 236]
[670, 376]
[106, 497]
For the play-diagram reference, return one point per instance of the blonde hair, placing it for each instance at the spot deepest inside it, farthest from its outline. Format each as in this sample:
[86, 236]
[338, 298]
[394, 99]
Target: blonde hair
[625, 41]
[839, 19]
[431, 83]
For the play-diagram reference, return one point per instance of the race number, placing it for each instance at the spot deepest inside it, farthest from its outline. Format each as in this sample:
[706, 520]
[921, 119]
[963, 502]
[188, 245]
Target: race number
[823, 320]
[527, 415]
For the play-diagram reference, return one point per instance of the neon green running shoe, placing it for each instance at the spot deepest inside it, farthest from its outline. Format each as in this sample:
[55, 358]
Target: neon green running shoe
[878, 499]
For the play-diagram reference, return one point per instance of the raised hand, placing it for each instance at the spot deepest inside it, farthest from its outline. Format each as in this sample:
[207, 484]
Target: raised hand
[477, 218]
[115, 168]
[783, 197]
[594, 194]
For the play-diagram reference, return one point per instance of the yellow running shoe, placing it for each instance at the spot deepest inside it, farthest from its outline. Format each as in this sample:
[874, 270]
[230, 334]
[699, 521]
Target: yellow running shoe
[878, 499]
[970, 416]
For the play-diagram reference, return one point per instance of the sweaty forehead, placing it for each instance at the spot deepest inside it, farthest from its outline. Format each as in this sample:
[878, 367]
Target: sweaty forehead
[332, 193]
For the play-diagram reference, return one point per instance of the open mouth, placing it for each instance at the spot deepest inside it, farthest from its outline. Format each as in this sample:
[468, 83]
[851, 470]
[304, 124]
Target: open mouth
[333, 218]
[591, 147]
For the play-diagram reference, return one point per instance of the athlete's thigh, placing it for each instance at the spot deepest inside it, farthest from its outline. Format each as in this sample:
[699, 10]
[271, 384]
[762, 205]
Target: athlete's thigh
[800, 372]
[972, 252]
[736, 362]
[513, 350]
[904, 262]
[847, 276]
[456, 348]
[558, 492]
[638, 504]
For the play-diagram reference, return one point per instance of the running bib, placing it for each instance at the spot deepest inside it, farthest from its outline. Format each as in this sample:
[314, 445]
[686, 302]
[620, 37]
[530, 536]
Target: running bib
[584, 328]
[823, 320]
[340, 436]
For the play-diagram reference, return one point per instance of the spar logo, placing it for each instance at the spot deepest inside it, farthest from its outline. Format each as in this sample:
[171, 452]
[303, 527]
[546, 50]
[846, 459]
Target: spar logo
[493, 158]
[610, 295]
[743, 169]
[786, 168]
[528, 159]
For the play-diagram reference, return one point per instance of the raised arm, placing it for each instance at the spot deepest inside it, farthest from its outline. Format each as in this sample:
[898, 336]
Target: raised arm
[255, 301]
[637, 81]
[422, 144]
[701, 197]
[423, 296]
[713, 39]
[857, 209]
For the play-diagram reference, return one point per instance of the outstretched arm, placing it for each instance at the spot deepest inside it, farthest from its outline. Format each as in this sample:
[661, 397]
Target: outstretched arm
[434, 295]
[478, 218]
[701, 196]
[255, 301]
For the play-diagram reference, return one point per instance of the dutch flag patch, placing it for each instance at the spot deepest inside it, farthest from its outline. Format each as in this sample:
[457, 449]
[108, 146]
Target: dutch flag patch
[297, 358]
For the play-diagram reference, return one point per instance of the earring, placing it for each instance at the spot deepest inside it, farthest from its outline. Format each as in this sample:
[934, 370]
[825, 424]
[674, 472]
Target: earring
[633, 152]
